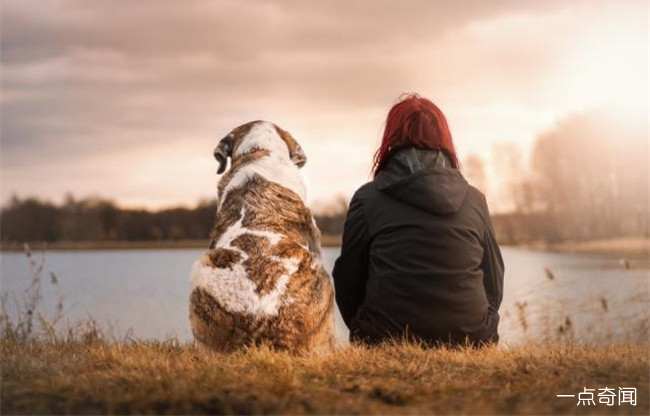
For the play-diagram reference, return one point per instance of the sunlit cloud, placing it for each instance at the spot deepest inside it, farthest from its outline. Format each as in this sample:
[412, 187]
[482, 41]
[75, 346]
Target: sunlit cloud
[131, 107]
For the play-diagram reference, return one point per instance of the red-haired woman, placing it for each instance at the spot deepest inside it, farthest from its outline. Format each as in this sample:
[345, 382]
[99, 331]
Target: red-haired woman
[419, 258]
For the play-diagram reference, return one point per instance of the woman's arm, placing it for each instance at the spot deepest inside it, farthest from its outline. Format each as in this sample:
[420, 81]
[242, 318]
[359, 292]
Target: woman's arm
[351, 268]
[492, 265]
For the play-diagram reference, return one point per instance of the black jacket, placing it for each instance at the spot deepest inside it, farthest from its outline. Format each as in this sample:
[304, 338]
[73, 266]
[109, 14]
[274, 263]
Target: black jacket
[419, 257]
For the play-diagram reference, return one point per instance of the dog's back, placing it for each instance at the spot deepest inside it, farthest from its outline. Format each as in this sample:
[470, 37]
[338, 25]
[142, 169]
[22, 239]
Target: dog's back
[262, 279]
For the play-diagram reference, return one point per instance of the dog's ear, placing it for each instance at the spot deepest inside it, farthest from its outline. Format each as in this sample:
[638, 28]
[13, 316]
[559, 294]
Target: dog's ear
[296, 153]
[223, 151]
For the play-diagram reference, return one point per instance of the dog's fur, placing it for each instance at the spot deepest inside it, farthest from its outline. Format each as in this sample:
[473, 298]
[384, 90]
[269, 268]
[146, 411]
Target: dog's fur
[262, 281]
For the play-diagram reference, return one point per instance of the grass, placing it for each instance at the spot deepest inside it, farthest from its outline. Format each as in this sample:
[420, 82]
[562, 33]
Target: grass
[95, 376]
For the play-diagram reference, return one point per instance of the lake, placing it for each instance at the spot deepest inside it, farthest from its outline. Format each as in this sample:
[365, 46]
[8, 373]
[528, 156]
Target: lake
[145, 293]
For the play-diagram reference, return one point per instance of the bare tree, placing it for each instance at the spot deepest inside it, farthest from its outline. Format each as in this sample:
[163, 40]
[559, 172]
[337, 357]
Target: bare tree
[591, 177]
[516, 190]
[474, 170]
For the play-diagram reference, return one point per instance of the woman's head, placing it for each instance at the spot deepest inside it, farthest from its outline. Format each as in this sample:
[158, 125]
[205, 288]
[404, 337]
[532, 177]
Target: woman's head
[417, 122]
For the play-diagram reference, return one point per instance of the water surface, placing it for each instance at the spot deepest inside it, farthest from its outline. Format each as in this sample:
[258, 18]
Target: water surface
[146, 292]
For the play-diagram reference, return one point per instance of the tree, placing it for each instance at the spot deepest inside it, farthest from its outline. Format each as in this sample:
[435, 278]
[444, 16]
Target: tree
[591, 177]
[474, 170]
[516, 191]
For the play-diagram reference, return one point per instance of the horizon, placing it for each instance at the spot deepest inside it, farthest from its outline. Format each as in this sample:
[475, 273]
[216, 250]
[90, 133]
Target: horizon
[130, 108]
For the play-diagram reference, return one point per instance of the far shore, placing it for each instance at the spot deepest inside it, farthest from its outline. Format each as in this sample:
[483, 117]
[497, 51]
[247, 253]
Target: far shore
[326, 241]
[624, 247]
[635, 248]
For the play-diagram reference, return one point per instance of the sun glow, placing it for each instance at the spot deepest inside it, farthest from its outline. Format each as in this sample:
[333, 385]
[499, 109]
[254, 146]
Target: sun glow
[612, 72]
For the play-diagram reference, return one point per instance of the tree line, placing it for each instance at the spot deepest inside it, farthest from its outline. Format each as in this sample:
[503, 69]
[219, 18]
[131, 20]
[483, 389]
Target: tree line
[97, 219]
[587, 178]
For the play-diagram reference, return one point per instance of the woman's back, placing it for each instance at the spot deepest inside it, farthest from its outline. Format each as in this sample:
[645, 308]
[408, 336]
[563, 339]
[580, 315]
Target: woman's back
[419, 256]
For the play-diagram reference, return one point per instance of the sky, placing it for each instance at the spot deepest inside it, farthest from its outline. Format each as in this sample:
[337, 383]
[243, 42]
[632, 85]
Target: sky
[126, 100]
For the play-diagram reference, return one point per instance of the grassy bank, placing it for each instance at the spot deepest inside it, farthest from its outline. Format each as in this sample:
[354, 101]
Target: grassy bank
[635, 248]
[86, 374]
[140, 377]
[327, 241]
[630, 247]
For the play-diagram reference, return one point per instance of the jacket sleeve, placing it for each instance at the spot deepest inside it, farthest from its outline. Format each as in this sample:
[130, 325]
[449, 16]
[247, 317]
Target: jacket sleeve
[492, 265]
[351, 268]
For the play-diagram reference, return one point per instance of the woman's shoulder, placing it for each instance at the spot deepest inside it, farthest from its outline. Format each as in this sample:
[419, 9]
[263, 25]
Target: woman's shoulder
[477, 202]
[475, 195]
[366, 191]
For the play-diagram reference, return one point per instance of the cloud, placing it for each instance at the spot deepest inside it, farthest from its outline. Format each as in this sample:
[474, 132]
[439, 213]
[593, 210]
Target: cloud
[108, 81]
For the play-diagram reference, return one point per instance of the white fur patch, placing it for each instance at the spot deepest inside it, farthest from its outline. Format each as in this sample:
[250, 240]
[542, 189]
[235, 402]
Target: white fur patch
[276, 167]
[263, 135]
[231, 287]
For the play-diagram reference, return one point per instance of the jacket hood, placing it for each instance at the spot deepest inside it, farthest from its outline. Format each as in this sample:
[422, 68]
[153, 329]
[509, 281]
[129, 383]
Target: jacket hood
[424, 179]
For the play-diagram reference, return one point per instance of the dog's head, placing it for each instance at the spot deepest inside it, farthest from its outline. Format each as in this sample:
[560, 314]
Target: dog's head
[258, 135]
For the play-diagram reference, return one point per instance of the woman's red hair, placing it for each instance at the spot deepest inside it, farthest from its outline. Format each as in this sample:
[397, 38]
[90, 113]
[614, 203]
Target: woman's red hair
[417, 122]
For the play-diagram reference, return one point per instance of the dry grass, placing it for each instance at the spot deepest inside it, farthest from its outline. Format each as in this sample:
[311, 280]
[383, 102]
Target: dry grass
[140, 377]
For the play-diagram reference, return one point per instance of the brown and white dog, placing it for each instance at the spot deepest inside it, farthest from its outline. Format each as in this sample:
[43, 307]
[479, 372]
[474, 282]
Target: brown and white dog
[262, 281]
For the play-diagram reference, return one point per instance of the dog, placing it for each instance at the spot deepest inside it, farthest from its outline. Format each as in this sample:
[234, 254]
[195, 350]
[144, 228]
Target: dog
[261, 280]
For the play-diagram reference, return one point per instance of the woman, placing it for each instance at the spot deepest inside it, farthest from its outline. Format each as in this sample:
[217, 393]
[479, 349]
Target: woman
[419, 258]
